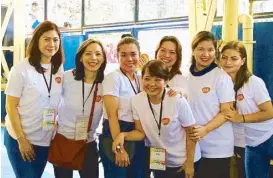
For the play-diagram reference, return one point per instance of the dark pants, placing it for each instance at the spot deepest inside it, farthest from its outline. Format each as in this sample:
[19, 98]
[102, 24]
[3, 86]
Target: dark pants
[90, 166]
[214, 168]
[22, 169]
[257, 159]
[239, 154]
[111, 170]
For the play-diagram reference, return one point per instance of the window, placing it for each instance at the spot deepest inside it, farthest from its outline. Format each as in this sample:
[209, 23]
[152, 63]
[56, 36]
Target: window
[262, 6]
[149, 40]
[65, 13]
[108, 11]
[243, 7]
[110, 41]
[159, 9]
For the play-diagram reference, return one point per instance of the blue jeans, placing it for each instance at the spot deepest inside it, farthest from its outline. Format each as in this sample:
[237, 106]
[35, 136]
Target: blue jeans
[136, 168]
[257, 159]
[22, 169]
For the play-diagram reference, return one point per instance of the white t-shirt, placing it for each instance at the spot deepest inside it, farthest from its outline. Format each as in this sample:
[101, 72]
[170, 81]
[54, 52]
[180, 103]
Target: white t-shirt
[252, 94]
[29, 85]
[180, 82]
[118, 85]
[72, 105]
[176, 114]
[207, 92]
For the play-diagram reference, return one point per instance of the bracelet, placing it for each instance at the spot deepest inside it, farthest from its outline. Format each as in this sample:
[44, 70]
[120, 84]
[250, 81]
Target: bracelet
[244, 120]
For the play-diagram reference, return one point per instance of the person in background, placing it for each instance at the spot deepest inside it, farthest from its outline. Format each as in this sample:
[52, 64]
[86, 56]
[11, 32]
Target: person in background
[33, 93]
[163, 120]
[78, 93]
[126, 35]
[118, 89]
[211, 93]
[253, 113]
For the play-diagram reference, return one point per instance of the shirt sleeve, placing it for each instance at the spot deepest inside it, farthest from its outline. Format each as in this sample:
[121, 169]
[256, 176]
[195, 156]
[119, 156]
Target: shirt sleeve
[258, 88]
[111, 85]
[185, 113]
[15, 83]
[134, 110]
[225, 89]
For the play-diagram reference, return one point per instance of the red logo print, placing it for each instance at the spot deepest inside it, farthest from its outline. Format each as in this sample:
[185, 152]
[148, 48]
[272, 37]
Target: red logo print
[240, 97]
[165, 121]
[58, 80]
[98, 98]
[205, 89]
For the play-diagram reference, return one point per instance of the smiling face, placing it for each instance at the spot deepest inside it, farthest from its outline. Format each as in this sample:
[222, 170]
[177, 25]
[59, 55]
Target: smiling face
[92, 58]
[153, 86]
[167, 53]
[204, 54]
[231, 61]
[128, 56]
[49, 44]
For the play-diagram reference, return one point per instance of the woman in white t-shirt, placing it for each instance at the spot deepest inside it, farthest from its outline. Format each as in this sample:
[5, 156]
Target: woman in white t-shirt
[33, 93]
[253, 109]
[78, 94]
[169, 51]
[118, 89]
[163, 120]
[211, 92]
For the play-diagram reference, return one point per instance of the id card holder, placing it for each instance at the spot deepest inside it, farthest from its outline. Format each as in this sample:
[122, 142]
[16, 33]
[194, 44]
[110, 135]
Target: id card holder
[157, 158]
[81, 127]
[49, 116]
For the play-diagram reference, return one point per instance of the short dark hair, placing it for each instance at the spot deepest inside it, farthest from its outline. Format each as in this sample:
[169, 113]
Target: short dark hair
[203, 36]
[79, 71]
[243, 74]
[156, 68]
[127, 35]
[33, 52]
[176, 67]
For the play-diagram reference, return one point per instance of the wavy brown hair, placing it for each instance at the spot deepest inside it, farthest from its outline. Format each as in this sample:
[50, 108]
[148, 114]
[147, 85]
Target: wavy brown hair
[176, 67]
[33, 52]
[243, 74]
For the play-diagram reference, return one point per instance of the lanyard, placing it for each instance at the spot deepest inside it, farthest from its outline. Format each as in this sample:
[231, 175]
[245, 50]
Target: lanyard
[161, 109]
[50, 82]
[136, 80]
[235, 103]
[84, 101]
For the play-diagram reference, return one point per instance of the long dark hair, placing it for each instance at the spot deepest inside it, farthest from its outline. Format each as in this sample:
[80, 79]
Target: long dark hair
[176, 67]
[203, 36]
[79, 71]
[33, 52]
[243, 74]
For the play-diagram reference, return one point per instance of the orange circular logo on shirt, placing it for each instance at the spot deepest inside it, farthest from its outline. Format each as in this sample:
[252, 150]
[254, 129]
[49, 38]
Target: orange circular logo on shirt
[205, 89]
[98, 98]
[58, 80]
[165, 121]
[240, 97]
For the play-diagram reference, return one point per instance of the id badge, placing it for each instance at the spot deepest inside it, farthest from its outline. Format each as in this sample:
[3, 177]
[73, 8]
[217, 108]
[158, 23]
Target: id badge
[157, 158]
[81, 127]
[49, 116]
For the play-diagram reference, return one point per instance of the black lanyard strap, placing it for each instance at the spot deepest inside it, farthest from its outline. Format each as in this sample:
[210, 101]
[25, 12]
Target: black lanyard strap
[50, 82]
[161, 110]
[136, 80]
[84, 100]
